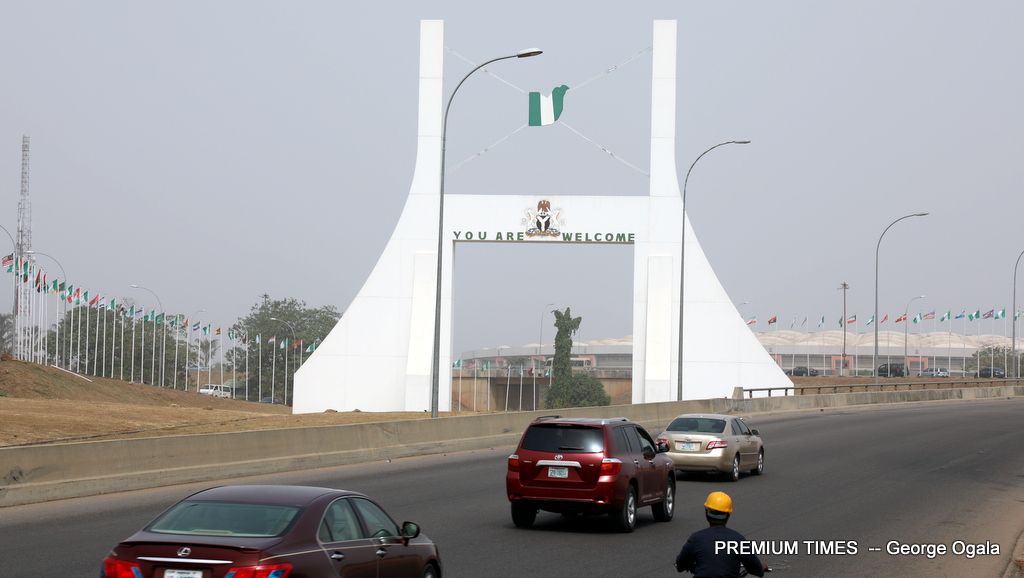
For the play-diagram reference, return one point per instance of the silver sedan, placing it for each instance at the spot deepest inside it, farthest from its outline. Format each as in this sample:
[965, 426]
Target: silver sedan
[711, 442]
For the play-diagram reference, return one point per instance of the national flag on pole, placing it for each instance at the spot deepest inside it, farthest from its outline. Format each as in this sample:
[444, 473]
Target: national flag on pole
[284, 343]
[207, 329]
[773, 319]
[945, 316]
[870, 321]
[160, 318]
[102, 304]
[195, 326]
[273, 339]
[929, 315]
[92, 301]
[312, 347]
[458, 362]
[961, 315]
[752, 321]
[8, 260]
[884, 319]
[231, 334]
[804, 322]
[988, 314]
[545, 110]
[217, 331]
[258, 338]
[1001, 314]
[821, 321]
[851, 320]
[917, 318]
[901, 318]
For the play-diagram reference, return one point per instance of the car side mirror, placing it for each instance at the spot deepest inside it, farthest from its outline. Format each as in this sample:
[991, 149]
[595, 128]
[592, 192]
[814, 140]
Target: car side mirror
[410, 530]
[755, 432]
[662, 447]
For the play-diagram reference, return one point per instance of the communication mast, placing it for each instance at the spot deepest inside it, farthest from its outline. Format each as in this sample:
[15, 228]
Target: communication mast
[23, 291]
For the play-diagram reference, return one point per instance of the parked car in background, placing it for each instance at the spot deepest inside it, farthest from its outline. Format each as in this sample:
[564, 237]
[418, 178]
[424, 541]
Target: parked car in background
[804, 371]
[274, 531]
[992, 372]
[217, 390]
[933, 372]
[587, 466]
[714, 443]
[892, 370]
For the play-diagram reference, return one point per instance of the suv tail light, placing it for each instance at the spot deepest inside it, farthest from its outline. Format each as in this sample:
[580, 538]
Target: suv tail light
[114, 568]
[513, 463]
[261, 571]
[717, 444]
[610, 466]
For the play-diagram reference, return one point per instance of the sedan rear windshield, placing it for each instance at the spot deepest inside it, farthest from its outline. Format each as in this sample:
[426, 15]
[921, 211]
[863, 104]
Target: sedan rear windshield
[697, 425]
[564, 438]
[226, 519]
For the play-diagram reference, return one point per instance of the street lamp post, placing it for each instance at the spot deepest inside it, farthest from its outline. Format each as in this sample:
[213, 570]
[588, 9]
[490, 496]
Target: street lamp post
[874, 357]
[436, 372]
[682, 262]
[1013, 322]
[63, 306]
[152, 373]
[292, 328]
[906, 333]
[540, 350]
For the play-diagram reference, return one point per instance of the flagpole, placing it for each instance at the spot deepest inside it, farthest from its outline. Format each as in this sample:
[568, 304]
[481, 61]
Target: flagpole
[152, 362]
[273, 370]
[245, 342]
[131, 379]
[259, 366]
[122, 348]
[222, 364]
[142, 348]
[103, 370]
[96, 345]
[88, 325]
[234, 366]
[188, 345]
[286, 346]
[177, 342]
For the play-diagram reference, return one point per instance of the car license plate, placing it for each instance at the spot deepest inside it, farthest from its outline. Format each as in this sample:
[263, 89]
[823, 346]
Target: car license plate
[558, 472]
[687, 446]
[170, 573]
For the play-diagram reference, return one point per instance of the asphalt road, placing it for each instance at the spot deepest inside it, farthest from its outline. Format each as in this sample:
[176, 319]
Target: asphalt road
[926, 473]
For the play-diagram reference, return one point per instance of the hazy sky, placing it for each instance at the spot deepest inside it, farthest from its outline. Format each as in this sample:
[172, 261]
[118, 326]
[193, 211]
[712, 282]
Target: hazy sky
[216, 151]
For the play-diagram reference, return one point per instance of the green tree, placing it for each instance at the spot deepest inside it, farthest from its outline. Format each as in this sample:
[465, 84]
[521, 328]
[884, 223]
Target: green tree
[993, 356]
[569, 389]
[294, 326]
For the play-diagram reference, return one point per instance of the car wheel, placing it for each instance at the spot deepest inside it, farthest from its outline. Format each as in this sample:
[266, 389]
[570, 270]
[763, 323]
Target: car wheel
[625, 516]
[734, 473]
[430, 572]
[523, 515]
[760, 463]
[664, 509]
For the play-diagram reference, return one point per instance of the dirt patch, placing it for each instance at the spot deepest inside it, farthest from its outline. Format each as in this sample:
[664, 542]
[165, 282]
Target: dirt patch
[43, 404]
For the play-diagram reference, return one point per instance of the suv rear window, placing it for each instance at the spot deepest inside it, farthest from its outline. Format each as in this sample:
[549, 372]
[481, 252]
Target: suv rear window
[697, 425]
[563, 438]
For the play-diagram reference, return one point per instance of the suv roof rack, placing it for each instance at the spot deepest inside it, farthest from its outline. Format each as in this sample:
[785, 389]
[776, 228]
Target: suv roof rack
[547, 417]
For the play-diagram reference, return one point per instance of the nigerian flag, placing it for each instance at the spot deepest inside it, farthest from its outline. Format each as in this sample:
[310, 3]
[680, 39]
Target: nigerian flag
[945, 316]
[545, 110]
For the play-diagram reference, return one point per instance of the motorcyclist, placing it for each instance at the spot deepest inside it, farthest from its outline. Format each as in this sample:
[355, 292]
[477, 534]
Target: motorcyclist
[699, 554]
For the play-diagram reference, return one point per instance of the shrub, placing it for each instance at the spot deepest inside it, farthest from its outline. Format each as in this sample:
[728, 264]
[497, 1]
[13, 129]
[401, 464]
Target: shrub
[579, 390]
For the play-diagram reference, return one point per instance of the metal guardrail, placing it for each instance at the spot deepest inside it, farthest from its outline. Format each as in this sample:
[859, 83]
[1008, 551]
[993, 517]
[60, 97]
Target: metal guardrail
[901, 386]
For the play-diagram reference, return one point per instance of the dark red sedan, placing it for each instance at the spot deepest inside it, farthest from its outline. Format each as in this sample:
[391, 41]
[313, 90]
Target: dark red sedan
[274, 532]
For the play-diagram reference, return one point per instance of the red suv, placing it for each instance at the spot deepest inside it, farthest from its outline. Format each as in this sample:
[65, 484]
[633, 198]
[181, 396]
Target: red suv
[589, 466]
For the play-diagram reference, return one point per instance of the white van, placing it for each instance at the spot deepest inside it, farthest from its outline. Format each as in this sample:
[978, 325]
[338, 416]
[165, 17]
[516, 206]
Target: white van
[216, 390]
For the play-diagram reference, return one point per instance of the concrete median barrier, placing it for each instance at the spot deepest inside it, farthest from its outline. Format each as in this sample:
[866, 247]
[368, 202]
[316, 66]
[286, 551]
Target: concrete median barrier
[30, 474]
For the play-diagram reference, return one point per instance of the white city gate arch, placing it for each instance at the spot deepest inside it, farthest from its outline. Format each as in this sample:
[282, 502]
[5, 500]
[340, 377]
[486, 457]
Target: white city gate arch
[378, 357]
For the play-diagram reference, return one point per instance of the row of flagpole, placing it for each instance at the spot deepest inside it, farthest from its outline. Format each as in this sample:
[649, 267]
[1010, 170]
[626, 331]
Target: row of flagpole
[992, 314]
[32, 334]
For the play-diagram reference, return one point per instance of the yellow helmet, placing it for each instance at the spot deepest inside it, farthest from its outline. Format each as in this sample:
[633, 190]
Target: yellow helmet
[719, 502]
